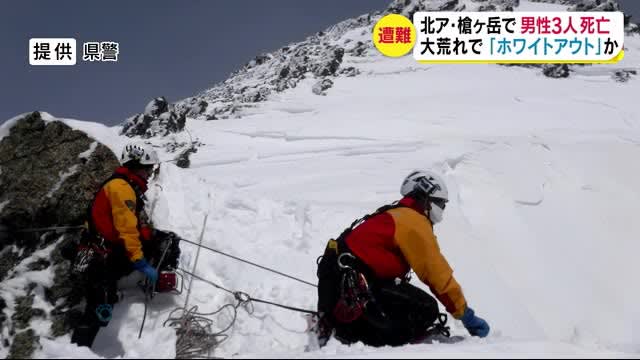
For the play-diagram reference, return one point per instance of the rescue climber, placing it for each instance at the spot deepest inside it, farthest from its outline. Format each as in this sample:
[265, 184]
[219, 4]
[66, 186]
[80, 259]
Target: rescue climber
[363, 289]
[120, 239]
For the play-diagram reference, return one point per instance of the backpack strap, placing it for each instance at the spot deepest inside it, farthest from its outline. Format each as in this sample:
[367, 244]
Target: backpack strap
[341, 239]
[341, 242]
[140, 198]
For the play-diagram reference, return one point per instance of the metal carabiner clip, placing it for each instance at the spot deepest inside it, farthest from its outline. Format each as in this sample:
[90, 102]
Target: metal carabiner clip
[343, 266]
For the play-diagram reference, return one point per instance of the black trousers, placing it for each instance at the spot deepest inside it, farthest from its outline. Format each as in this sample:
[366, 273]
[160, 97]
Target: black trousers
[102, 284]
[101, 288]
[401, 314]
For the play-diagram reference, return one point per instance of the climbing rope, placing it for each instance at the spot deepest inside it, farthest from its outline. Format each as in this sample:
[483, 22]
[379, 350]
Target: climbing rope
[195, 263]
[250, 263]
[195, 335]
[244, 297]
[194, 330]
[149, 289]
[42, 229]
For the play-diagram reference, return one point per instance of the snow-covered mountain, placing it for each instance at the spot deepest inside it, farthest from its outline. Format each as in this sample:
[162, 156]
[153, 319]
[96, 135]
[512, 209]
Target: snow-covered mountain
[540, 230]
[319, 57]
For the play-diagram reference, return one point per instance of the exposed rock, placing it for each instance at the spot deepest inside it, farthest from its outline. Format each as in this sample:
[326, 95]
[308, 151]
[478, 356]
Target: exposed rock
[3, 317]
[595, 5]
[49, 174]
[255, 95]
[488, 7]
[8, 260]
[24, 311]
[359, 49]
[23, 345]
[321, 86]
[556, 71]
[317, 56]
[624, 75]
[349, 71]
[183, 159]
[198, 108]
[159, 119]
[39, 265]
[43, 173]
[156, 107]
[258, 60]
[64, 280]
[410, 7]
[585, 5]
[63, 294]
[64, 322]
[331, 64]
[4, 234]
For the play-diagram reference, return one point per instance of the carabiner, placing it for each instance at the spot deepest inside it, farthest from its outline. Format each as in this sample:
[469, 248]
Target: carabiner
[341, 265]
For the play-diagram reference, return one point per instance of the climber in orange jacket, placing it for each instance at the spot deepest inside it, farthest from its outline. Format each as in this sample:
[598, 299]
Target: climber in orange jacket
[117, 214]
[383, 308]
[120, 238]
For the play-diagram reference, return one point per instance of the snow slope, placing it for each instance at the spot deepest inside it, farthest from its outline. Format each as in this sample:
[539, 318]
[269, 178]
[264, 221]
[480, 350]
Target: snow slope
[541, 228]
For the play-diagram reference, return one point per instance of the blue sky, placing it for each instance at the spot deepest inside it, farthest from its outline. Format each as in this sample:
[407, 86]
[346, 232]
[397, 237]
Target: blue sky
[167, 48]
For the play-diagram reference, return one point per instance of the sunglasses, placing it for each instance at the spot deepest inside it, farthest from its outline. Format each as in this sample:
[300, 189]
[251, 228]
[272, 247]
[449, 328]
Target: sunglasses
[439, 202]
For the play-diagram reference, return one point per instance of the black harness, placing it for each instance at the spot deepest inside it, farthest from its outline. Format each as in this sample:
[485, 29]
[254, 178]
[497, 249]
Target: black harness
[92, 250]
[354, 276]
[351, 260]
[348, 290]
[140, 199]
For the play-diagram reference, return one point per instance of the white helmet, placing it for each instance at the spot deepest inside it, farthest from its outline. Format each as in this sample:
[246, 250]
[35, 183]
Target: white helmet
[430, 186]
[142, 153]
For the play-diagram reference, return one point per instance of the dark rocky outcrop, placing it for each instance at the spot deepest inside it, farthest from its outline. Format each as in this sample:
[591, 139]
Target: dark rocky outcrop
[23, 345]
[624, 75]
[49, 172]
[3, 317]
[319, 56]
[321, 86]
[556, 71]
[159, 119]
[410, 7]
[24, 310]
[183, 159]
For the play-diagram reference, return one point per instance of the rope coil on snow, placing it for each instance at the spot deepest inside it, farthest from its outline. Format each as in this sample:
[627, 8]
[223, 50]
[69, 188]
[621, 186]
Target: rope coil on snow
[194, 330]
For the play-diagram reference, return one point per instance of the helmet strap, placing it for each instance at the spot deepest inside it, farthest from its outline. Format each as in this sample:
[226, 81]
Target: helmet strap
[422, 199]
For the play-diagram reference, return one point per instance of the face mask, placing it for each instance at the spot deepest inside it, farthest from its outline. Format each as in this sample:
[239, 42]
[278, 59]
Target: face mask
[144, 173]
[435, 214]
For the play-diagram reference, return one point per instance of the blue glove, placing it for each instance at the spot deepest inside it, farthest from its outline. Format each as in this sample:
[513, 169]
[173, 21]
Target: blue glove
[143, 266]
[475, 325]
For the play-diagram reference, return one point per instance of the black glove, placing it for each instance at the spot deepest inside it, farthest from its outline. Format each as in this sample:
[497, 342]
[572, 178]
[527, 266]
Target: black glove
[172, 240]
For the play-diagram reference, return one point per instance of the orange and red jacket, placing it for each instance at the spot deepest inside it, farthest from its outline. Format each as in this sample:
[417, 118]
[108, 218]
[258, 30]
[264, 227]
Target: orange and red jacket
[117, 212]
[401, 239]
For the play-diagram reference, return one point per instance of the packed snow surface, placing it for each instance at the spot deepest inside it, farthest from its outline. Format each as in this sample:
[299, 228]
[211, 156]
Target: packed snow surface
[541, 229]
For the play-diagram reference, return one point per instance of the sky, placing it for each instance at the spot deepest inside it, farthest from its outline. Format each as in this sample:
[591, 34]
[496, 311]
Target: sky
[631, 7]
[168, 48]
